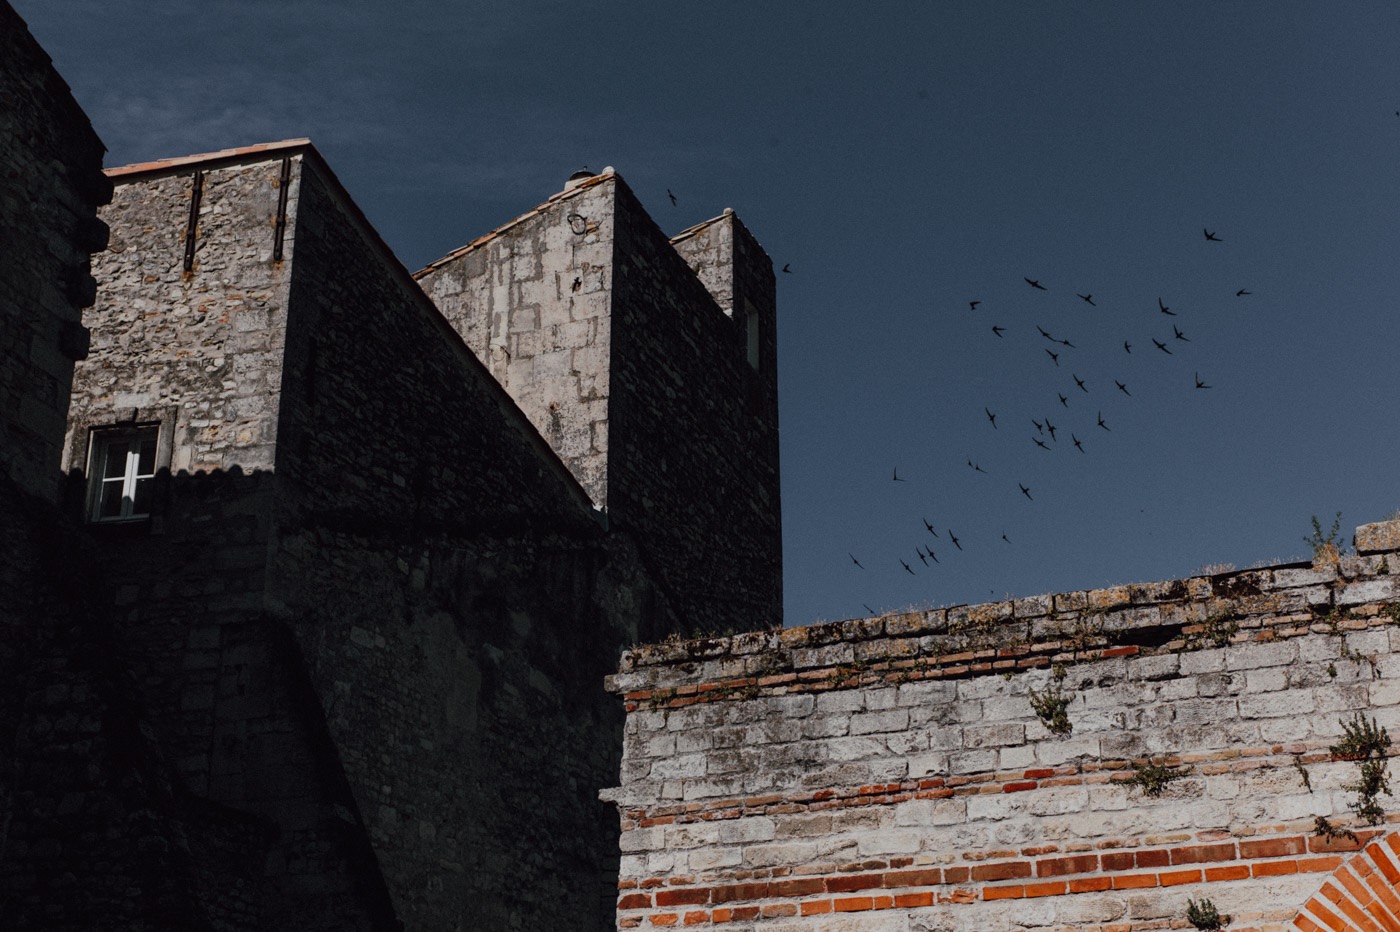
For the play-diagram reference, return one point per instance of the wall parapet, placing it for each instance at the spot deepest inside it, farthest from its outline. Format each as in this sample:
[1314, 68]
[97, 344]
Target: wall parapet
[1260, 604]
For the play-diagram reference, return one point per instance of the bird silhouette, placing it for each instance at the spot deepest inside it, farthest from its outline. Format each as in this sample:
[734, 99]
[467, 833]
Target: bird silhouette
[1005, 538]
[922, 559]
[930, 528]
[787, 267]
[1066, 343]
[1080, 382]
[1241, 293]
[671, 196]
[1211, 237]
[1039, 428]
[991, 417]
[997, 330]
[933, 556]
[1127, 346]
[1122, 388]
[1101, 423]
[954, 540]
[1077, 445]
[1064, 402]
[1164, 309]
[907, 568]
[1199, 383]
[1025, 491]
[1041, 443]
[853, 559]
[1087, 299]
[1051, 428]
[1043, 333]
[896, 475]
[1161, 346]
[975, 468]
[973, 304]
[1035, 284]
[1178, 334]
[1054, 356]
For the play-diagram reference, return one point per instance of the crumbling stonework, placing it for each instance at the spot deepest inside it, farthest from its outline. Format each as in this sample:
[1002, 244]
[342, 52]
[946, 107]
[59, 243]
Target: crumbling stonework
[892, 773]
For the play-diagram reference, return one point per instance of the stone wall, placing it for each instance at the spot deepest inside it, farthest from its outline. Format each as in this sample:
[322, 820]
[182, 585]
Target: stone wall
[455, 596]
[52, 185]
[891, 773]
[628, 354]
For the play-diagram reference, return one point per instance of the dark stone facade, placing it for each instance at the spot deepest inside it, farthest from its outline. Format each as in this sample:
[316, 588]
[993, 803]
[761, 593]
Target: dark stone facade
[345, 671]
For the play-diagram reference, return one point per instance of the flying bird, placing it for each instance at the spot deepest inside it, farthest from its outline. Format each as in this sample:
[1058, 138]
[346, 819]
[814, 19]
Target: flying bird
[997, 330]
[1122, 388]
[1077, 445]
[1034, 284]
[1050, 427]
[787, 267]
[1043, 333]
[1161, 346]
[1025, 491]
[896, 476]
[1164, 309]
[853, 559]
[991, 417]
[671, 196]
[1101, 423]
[1087, 299]
[933, 556]
[1211, 237]
[954, 540]
[975, 468]
[1199, 383]
[1063, 400]
[1041, 443]
[1241, 293]
[1066, 343]
[922, 559]
[1005, 538]
[930, 528]
[973, 304]
[1179, 335]
[907, 568]
[1039, 428]
[1080, 382]
[1054, 356]
[1127, 346]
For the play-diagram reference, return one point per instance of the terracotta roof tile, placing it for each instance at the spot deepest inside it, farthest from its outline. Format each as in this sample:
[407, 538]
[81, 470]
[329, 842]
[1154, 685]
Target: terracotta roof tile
[162, 165]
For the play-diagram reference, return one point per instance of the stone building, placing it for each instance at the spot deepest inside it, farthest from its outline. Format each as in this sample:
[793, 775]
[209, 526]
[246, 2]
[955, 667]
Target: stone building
[333, 573]
[1102, 761]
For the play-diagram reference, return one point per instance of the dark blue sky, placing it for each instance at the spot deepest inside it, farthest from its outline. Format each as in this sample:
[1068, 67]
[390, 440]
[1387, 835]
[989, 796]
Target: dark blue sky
[905, 159]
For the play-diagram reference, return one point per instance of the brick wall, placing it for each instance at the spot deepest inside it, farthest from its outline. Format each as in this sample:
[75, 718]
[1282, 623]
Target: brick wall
[891, 773]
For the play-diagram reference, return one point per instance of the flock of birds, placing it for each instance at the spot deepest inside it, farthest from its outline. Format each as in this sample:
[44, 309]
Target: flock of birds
[1048, 436]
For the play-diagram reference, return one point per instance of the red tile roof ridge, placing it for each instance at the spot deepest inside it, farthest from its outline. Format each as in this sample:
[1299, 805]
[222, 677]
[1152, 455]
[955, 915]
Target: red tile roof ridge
[181, 161]
[485, 238]
[692, 230]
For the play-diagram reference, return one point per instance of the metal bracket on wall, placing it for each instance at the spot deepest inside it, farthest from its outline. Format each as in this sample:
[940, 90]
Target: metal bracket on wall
[196, 195]
[281, 232]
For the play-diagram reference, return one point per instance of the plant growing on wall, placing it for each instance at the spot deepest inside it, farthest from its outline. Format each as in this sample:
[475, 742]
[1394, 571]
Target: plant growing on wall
[1204, 915]
[1368, 746]
[1051, 704]
[1152, 778]
[1326, 548]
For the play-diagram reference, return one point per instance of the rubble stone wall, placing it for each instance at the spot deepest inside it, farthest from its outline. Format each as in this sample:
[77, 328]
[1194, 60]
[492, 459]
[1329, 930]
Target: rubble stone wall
[893, 774]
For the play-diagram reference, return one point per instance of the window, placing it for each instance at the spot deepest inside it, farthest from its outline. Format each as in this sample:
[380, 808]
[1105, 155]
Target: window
[751, 325]
[123, 470]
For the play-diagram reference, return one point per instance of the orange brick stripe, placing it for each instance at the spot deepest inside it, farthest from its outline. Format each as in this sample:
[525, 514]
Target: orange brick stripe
[1060, 875]
[903, 662]
[1234, 760]
[1360, 896]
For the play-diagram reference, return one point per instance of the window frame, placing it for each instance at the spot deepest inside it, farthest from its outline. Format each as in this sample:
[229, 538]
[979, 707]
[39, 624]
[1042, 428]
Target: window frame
[100, 441]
